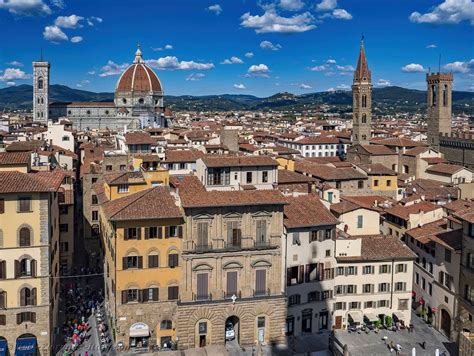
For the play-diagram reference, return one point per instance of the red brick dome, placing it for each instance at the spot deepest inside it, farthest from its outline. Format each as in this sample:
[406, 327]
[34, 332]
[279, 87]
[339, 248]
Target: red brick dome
[138, 77]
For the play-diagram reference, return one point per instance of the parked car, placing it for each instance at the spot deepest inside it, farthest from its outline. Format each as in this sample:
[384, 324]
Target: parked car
[229, 332]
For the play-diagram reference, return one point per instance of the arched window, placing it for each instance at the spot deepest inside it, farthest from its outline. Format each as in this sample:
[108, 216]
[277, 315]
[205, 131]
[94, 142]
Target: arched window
[25, 236]
[364, 118]
[38, 100]
[40, 83]
[141, 101]
[364, 137]
[433, 95]
[364, 101]
[445, 95]
[173, 258]
[124, 100]
[26, 267]
[42, 101]
[27, 297]
[357, 100]
[166, 325]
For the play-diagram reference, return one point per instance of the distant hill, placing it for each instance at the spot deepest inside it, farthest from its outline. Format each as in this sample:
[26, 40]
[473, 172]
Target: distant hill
[385, 100]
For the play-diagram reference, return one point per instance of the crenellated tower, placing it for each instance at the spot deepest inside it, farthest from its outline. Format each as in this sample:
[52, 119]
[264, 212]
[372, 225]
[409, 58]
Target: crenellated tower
[362, 100]
[439, 90]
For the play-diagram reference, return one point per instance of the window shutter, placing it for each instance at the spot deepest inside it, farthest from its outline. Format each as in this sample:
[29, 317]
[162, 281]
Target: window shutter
[140, 262]
[33, 296]
[125, 234]
[150, 262]
[124, 297]
[33, 268]
[33, 317]
[140, 295]
[17, 268]
[2, 206]
[180, 232]
[147, 233]
[155, 294]
[306, 275]
[139, 233]
[260, 280]
[301, 274]
[231, 283]
[202, 285]
[124, 263]
[160, 232]
[3, 303]
[18, 318]
[3, 269]
[23, 297]
[167, 232]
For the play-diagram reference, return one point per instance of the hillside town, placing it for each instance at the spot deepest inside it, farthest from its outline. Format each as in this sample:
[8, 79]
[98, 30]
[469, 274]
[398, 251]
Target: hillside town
[127, 227]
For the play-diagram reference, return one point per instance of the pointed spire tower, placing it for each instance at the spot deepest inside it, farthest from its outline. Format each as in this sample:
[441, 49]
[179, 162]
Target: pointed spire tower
[362, 100]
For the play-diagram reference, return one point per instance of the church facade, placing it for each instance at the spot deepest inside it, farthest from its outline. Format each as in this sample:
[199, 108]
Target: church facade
[138, 101]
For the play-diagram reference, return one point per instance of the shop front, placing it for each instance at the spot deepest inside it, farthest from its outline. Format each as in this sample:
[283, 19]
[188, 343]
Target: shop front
[139, 335]
[26, 345]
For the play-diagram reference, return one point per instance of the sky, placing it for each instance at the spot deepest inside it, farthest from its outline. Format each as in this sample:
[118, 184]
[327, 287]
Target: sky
[201, 47]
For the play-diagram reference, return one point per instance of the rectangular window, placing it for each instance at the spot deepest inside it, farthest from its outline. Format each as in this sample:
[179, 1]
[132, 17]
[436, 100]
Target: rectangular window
[261, 232]
[24, 204]
[153, 261]
[430, 288]
[360, 221]
[383, 303]
[368, 270]
[313, 296]
[376, 182]
[123, 167]
[249, 177]
[95, 215]
[447, 255]
[132, 233]
[328, 253]
[417, 278]
[152, 294]
[400, 268]
[314, 236]
[202, 286]
[384, 269]
[94, 200]
[123, 188]
[360, 184]
[151, 232]
[202, 241]
[108, 167]
[351, 271]
[294, 299]
[296, 238]
[340, 306]
[400, 286]
[367, 288]
[260, 282]
[63, 227]
[231, 284]
[354, 305]
[173, 260]
[384, 287]
[234, 234]
[264, 177]
[403, 304]
[389, 183]
[173, 293]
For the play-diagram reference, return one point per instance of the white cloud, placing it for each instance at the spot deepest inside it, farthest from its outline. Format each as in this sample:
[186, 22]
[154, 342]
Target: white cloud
[258, 70]
[216, 8]
[448, 12]
[249, 54]
[460, 67]
[331, 61]
[112, 68]
[26, 7]
[413, 68]
[10, 74]
[91, 21]
[269, 45]
[58, 3]
[291, 5]
[347, 68]
[11, 84]
[91, 72]
[232, 60]
[270, 21]
[331, 89]
[326, 5]
[76, 39]
[239, 86]
[172, 63]
[383, 83]
[72, 21]
[320, 68]
[195, 77]
[343, 87]
[341, 14]
[54, 34]
[164, 48]
[431, 46]
[305, 86]
[15, 64]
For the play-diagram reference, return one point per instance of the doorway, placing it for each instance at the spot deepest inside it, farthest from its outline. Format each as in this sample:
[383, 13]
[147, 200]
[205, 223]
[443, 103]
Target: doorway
[338, 324]
[446, 323]
[232, 329]
[202, 340]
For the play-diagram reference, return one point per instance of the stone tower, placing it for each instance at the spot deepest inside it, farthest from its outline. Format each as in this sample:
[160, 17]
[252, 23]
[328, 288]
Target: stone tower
[41, 91]
[361, 100]
[439, 92]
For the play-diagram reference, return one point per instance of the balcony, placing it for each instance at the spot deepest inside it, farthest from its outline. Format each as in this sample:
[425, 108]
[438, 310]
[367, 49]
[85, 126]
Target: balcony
[262, 293]
[202, 297]
[222, 245]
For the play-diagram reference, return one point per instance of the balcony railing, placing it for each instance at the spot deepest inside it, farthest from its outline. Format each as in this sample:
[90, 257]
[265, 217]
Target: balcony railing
[222, 245]
[228, 295]
[202, 297]
[261, 293]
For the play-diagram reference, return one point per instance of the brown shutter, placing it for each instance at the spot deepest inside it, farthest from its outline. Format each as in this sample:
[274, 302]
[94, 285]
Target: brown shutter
[307, 274]
[33, 268]
[231, 283]
[18, 318]
[124, 263]
[33, 317]
[139, 233]
[202, 285]
[3, 304]
[167, 232]
[2, 206]
[160, 232]
[17, 268]
[125, 234]
[3, 269]
[260, 281]
[301, 274]
[180, 232]
[140, 262]
[155, 294]
[33, 296]
[140, 295]
[147, 233]
[124, 297]
[22, 297]
[288, 276]
[150, 261]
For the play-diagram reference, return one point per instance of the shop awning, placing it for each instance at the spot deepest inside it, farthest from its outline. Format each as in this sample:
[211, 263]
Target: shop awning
[139, 330]
[371, 316]
[25, 346]
[356, 317]
[399, 315]
[3, 347]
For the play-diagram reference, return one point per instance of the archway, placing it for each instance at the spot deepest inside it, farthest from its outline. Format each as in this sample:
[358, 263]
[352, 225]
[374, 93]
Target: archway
[3, 346]
[446, 323]
[26, 345]
[232, 329]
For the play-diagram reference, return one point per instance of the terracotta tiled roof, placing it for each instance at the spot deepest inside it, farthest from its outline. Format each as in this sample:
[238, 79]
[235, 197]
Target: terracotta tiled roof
[17, 182]
[13, 158]
[378, 150]
[458, 205]
[444, 168]
[24, 146]
[370, 201]
[139, 138]
[345, 206]
[436, 232]
[416, 150]
[289, 177]
[239, 161]
[153, 203]
[434, 160]
[466, 214]
[398, 142]
[138, 77]
[182, 156]
[123, 178]
[362, 72]
[404, 211]
[380, 248]
[193, 195]
[306, 211]
[328, 173]
[377, 169]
